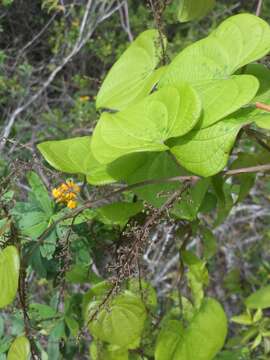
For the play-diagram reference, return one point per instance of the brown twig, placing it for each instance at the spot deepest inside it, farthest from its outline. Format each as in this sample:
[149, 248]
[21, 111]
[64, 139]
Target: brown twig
[259, 7]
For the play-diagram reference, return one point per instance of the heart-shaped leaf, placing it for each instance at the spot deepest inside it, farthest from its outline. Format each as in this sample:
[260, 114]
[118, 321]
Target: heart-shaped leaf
[9, 275]
[20, 349]
[122, 323]
[231, 46]
[205, 152]
[194, 9]
[201, 340]
[169, 112]
[74, 156]
[221, 98]
[133, 76]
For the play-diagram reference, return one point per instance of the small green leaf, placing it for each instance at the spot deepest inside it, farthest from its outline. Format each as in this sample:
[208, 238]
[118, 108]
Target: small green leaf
[259, 299]
[243, 319]
[209, 243]
[194, 9]
[9, 275]
[133, 76]
[20, 349]
[169, 112]
[125, 309]
[118, 213]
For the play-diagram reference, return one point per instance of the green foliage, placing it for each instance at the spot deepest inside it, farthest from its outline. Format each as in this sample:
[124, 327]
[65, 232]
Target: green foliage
[9, 274]
[20, 349]
[164, 136]
[194, 9]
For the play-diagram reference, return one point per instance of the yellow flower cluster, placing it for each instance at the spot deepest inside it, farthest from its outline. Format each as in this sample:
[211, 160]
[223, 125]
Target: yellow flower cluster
[67, 194]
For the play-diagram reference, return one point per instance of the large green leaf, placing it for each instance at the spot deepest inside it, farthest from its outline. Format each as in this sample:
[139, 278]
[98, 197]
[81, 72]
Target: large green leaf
[194, 9]
[9, 275]
[221, 98]
[259, 299]
[168, 339]
[74, 156]
[133, 76]
[206, 334]
[121, 322]
[205, 152]
[169, 112]
[20, 349]
[231, 46]
[201, 340]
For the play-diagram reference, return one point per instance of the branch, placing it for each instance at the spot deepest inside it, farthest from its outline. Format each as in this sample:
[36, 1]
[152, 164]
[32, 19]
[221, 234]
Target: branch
[259, 8]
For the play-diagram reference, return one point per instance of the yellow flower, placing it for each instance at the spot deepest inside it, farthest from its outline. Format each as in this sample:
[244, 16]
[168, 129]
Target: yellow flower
[84, 98]
[67, 193]
[72, 204]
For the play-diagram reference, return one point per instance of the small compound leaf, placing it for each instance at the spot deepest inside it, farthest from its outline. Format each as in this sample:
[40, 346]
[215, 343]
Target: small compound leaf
[167, 113]
[194, 9]
[259, 299]
[122, 323]
[40, 192]
[20, 349]
[133, 76]
[9, 275]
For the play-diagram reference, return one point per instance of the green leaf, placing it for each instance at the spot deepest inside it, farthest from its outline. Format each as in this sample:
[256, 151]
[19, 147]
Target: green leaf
[259, 299]
[209, 243]
[125, 309]
[206, 152]
[188, 206]
[151, 166]
[197, 276]
[118, 213]
[169, 112]
[206, 334]
[243, 319]
[74, 156]
[40, 192]
[168, 340]
[227, 49]
[9, 275]
[262, 73]
[133, 76]
[221, 98]
[20, 349]
[194, 9]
